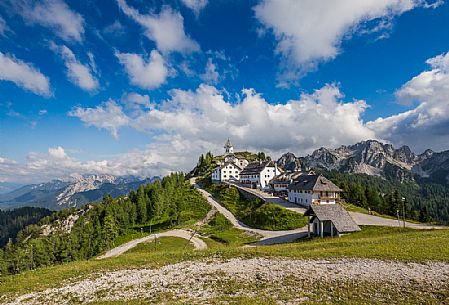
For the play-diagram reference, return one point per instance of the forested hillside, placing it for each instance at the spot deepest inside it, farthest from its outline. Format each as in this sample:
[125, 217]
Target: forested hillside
[12, 221]
[423, 200]
[81, 234]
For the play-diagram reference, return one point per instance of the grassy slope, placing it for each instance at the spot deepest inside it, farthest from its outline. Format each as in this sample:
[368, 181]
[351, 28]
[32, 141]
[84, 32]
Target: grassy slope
[255, 213]
[221, 233]
[371, 242]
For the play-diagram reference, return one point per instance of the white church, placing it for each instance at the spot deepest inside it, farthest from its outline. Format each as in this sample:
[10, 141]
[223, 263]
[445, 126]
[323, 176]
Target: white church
[236, 168]
[230, 167]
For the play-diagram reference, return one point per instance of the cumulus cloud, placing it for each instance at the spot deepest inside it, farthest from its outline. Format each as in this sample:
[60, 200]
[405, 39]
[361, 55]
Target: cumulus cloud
[78, 73]
[23, 75]
[427, 124]
[309, 32]
[192, 122]
[147, 74]
[195, 5]
[166, 29]
[210, 74]
[108, 115]
[53, 14]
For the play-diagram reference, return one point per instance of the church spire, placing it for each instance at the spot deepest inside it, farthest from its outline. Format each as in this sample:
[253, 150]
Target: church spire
[229, 149]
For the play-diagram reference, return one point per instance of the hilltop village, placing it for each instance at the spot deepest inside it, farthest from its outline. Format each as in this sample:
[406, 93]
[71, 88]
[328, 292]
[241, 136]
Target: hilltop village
[316, 193]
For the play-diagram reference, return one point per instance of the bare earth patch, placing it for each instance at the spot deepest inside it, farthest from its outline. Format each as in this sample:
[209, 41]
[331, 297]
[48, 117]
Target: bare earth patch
[273, 281]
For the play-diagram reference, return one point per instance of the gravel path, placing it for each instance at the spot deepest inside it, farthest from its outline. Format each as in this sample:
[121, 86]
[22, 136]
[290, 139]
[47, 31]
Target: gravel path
[198, 243]
[200, 281]
[371, 220]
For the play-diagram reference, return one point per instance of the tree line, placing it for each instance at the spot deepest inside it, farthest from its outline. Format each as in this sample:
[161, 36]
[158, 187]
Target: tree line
[162, 204]
[12, 221]
[421, 200]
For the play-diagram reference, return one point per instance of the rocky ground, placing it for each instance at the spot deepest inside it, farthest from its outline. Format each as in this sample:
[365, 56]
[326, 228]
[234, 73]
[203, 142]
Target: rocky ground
[262, 280]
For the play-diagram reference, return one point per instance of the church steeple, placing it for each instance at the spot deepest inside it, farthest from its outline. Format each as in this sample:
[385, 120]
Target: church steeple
[229, 149]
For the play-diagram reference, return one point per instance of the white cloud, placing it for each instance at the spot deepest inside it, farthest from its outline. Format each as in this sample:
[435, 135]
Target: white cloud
[43, 112]
[79, 74]
[195, 5]
[23, 75]
[192, 122]
[115, 28]
[135, 101]
[107, 116]
[426, 125]
[166, 29]
[210, 74]
[145, 74]
[309, 32]
[298, 125]
[53, 14]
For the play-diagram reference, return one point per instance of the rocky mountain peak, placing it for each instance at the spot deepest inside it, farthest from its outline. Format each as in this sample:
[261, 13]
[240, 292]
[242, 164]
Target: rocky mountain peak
[370, 157]
[289, 162]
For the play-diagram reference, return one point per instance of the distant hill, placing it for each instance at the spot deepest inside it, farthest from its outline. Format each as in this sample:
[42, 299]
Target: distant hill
[75, 192]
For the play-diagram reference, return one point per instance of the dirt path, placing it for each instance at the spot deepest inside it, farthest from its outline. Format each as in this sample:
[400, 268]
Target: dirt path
[198, 243]
[281, 279]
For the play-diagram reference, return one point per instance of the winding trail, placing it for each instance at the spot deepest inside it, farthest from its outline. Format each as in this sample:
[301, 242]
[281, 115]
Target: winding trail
[198, 243]
[268, 237]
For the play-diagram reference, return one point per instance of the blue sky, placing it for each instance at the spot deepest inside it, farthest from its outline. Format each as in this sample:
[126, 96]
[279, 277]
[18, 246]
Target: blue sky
[143, 87]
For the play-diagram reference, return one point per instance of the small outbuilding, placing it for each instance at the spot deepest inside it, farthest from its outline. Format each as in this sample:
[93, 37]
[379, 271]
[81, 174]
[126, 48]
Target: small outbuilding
[329, 220]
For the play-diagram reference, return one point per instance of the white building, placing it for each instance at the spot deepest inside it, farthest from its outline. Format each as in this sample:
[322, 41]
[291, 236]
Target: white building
[313, 189]
[226, 171]
[230, 167]
[259, 174]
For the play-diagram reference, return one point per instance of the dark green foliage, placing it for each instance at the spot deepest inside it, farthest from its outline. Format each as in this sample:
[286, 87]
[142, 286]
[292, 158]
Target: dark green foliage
[270, 216]
[204, 166]
[12, 221]
[171, 201]
[424, 200]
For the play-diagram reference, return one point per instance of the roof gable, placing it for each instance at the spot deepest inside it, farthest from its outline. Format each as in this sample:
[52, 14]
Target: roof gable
[336, 213]
[313, 183]
[256, 167]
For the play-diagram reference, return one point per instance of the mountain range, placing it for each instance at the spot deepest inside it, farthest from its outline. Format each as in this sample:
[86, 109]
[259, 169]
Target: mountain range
[374, 158]
[75, 191]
